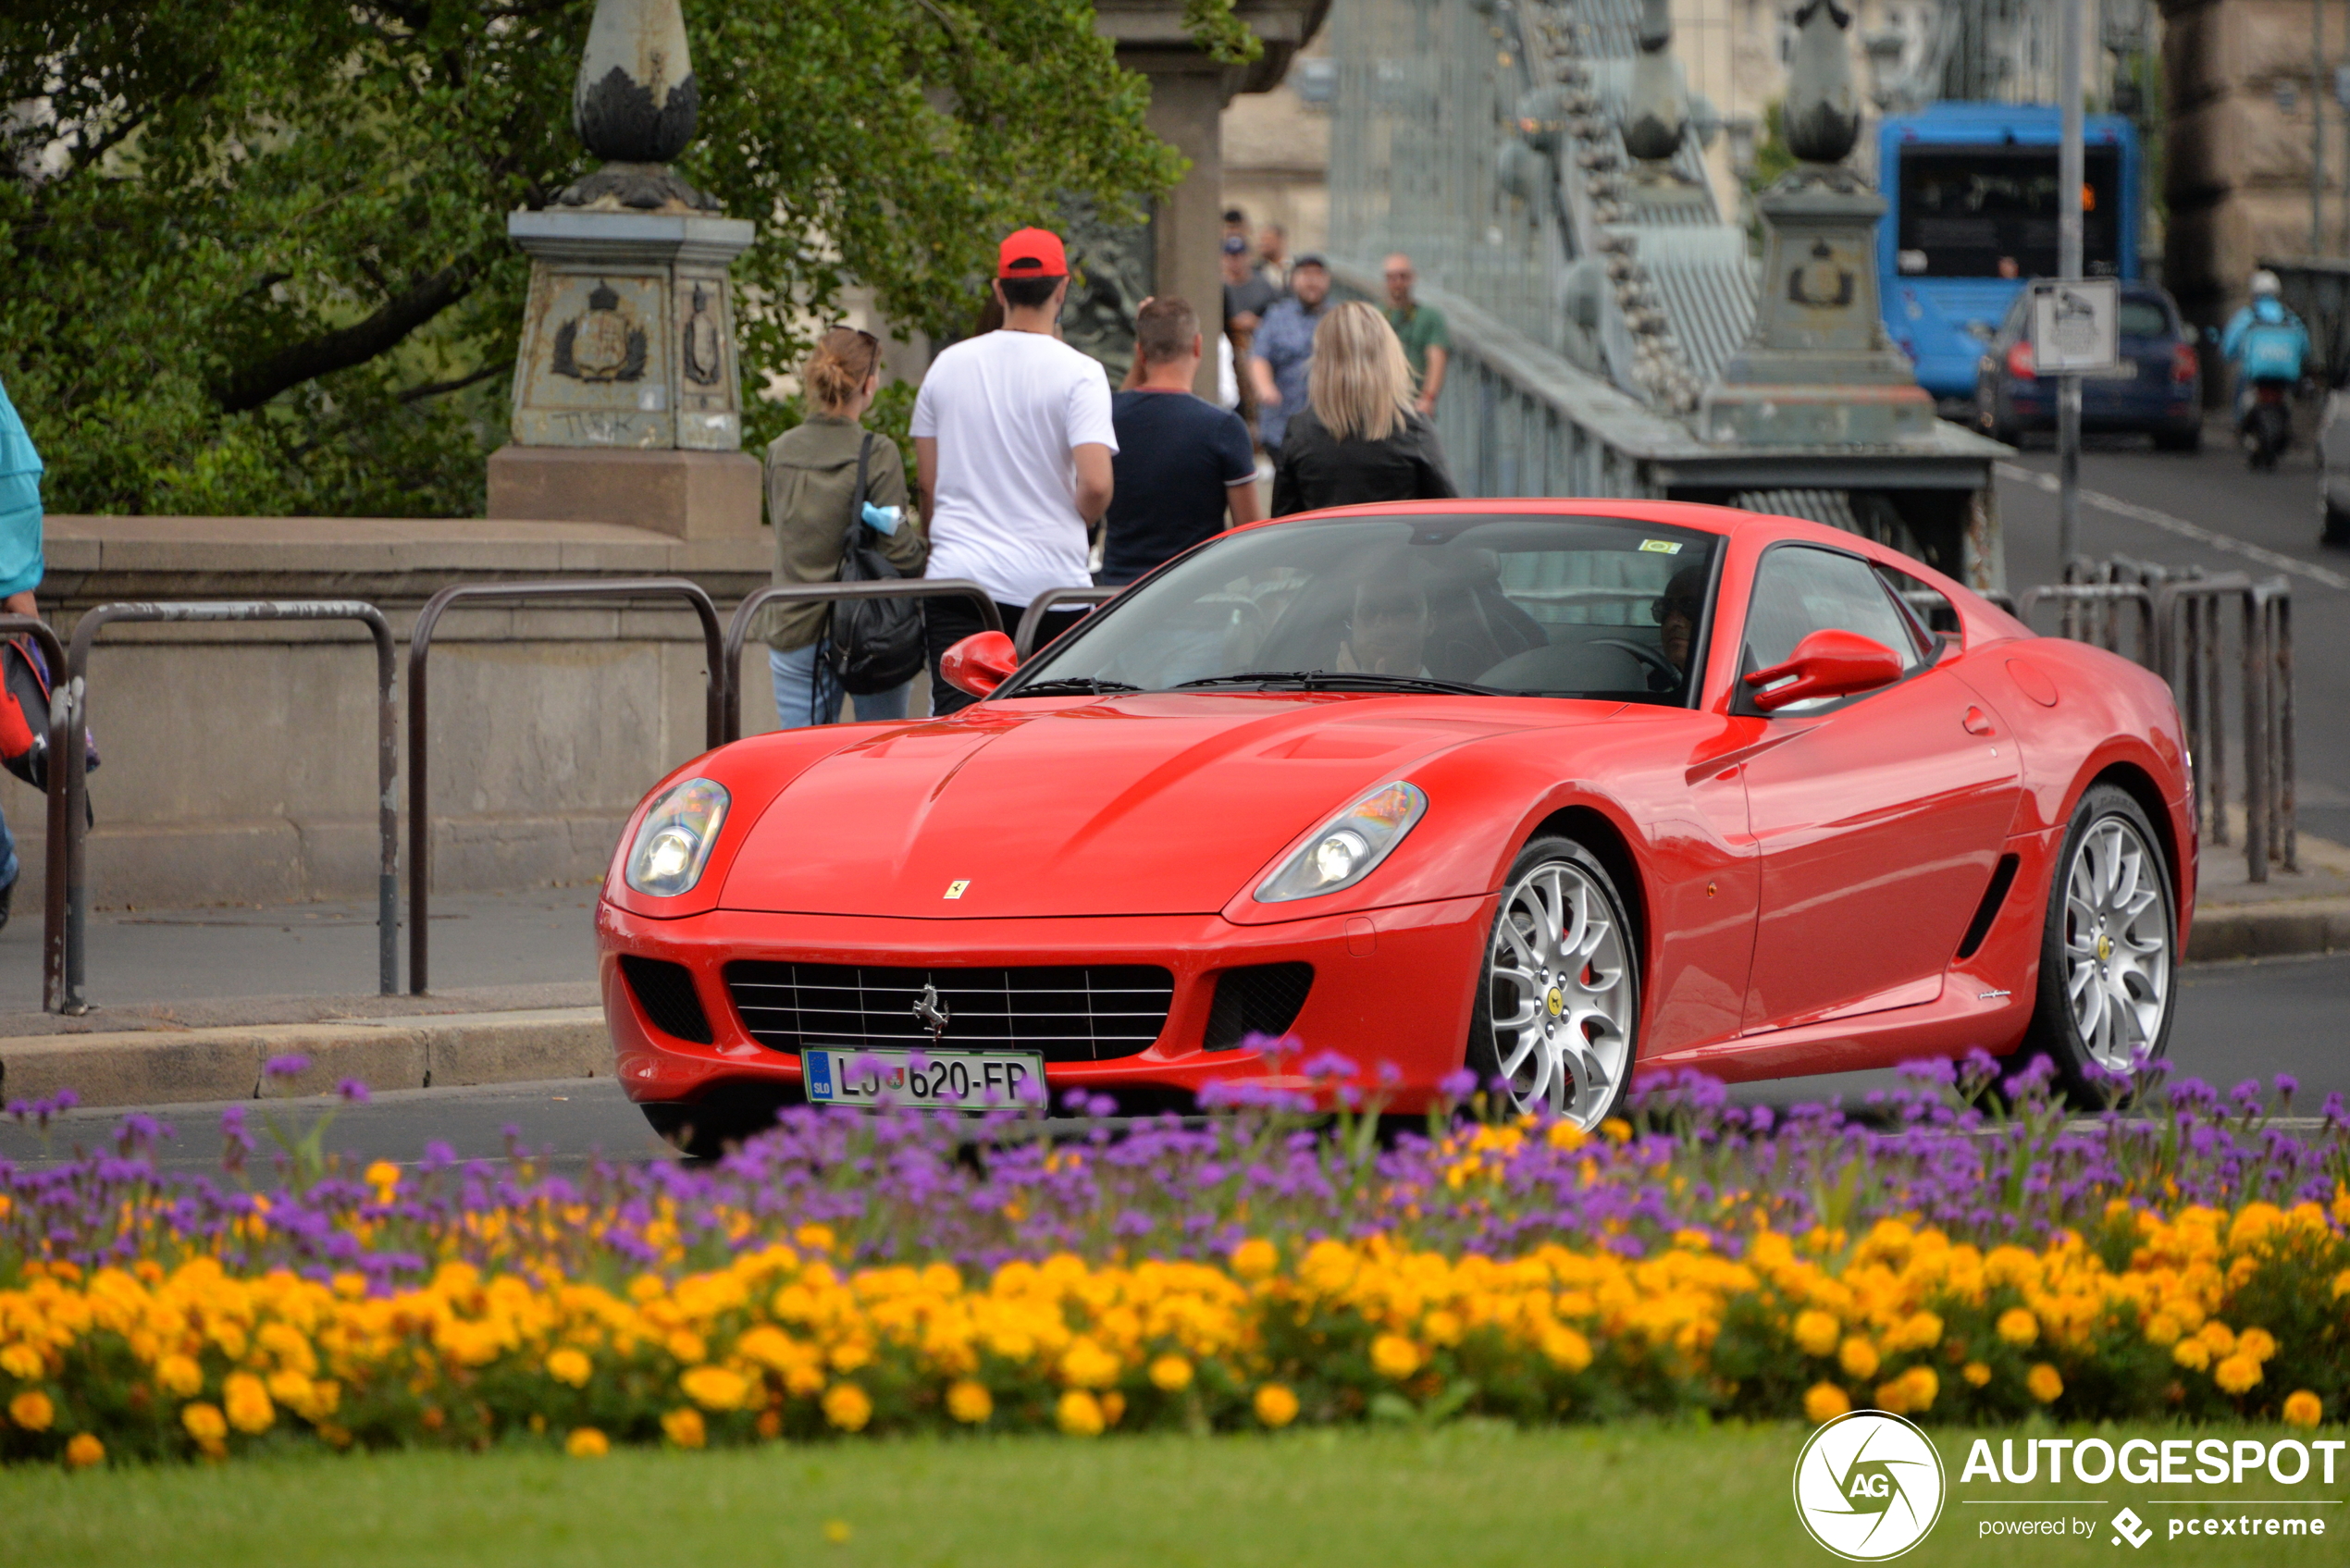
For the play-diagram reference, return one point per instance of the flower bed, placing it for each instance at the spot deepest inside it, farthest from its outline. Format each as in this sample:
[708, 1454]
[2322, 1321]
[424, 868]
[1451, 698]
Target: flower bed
[852, 1274]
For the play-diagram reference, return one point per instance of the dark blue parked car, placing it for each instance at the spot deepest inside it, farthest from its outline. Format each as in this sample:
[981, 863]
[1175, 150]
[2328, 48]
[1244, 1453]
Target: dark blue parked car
[2158, 387]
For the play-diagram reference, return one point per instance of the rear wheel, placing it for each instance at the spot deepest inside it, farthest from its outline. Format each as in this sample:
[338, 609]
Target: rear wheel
[1558, 1005]
[2186, 438]
[2109, 948]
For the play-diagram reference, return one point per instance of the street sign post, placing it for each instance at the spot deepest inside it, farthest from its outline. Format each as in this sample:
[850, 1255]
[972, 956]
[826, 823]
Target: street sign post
[2076, 325]
[2070, 181]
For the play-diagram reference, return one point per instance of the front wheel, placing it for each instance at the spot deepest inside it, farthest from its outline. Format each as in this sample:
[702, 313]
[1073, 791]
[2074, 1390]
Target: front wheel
[2108, 949]
[1558, 1005]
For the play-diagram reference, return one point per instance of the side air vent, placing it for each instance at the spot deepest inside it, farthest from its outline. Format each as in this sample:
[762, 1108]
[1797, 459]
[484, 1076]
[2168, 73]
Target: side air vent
[666, 993]
[2002, 878]
[1260, 999]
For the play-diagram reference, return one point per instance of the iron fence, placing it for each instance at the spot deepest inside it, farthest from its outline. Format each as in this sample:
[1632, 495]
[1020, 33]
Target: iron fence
[730, 652]
[74, 764]
[1025, 639]
[419, 732]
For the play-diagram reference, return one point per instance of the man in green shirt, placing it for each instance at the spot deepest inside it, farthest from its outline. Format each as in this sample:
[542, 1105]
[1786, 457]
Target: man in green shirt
[1426, 344]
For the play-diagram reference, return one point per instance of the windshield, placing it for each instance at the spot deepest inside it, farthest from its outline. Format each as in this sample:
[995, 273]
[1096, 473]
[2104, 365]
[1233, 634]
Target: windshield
[1539, 606]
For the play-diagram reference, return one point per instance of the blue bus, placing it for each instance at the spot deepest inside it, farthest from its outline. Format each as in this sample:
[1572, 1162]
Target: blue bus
[1971, 196]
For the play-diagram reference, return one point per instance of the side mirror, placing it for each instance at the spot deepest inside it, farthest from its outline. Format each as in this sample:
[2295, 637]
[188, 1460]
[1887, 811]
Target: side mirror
[979, 664]
[1829, 662]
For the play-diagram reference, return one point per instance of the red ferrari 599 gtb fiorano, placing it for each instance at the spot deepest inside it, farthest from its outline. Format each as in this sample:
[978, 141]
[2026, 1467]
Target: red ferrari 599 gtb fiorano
[1554, 790]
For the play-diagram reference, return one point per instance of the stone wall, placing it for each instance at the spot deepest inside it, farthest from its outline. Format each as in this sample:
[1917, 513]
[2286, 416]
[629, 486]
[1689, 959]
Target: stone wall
[2238, 74]
[239, 761]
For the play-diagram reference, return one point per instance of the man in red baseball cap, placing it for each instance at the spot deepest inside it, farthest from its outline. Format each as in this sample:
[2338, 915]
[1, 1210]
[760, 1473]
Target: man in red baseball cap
[1012, 447]
[1032, 252]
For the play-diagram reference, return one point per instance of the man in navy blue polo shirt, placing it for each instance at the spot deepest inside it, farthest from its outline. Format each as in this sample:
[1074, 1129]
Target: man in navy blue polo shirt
[1183, 465]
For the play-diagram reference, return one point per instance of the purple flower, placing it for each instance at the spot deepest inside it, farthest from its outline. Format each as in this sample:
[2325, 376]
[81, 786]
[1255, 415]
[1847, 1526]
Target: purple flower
[1458, 1084]
[353, 1090]
[292, 1065]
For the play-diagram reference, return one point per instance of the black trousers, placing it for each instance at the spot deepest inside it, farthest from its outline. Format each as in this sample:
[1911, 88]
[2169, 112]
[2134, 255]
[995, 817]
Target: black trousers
[947, 622]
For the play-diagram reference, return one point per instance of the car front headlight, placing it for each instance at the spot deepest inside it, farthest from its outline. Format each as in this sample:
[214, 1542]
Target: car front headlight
[1346, 848]
[672, 844]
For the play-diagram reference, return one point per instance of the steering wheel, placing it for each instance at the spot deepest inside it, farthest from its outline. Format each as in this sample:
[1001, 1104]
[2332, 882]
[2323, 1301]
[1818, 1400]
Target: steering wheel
[1645, 654]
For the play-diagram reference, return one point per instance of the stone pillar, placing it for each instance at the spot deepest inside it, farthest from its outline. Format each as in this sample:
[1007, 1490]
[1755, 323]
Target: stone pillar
[1189, 91]
[627, 401]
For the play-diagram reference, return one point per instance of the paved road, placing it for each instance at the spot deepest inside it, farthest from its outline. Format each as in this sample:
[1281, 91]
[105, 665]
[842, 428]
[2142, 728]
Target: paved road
[2235, 1021]
[2257, 518]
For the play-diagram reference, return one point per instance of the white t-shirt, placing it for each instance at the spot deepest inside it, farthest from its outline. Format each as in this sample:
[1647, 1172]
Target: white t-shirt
[1005, 408]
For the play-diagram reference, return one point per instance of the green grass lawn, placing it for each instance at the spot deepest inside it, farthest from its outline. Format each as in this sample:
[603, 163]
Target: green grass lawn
[1677, 1496]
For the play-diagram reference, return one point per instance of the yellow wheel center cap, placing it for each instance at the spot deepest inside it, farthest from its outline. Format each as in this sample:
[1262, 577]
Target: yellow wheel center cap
[1555, 1002]
[2105, 948]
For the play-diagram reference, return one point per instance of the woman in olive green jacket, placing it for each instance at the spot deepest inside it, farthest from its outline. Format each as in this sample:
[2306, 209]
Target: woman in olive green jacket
[812, 483]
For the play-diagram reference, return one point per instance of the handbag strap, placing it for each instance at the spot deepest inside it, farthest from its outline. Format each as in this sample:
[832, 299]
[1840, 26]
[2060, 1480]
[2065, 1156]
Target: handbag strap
[857, 502]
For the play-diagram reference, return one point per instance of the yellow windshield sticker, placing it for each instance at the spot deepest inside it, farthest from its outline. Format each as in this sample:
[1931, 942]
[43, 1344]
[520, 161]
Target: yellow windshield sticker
[1661, 547]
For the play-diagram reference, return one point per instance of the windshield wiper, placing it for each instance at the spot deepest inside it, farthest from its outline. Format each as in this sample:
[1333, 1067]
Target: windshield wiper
[1074, 686]
[1337, 680]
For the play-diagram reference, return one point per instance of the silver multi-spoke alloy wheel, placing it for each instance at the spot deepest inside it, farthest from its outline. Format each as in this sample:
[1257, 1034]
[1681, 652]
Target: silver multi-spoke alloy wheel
[1563, 995]
[2118, 933]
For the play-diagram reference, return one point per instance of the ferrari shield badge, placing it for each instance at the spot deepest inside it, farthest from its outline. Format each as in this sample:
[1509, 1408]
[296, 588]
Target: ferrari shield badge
[955, 889]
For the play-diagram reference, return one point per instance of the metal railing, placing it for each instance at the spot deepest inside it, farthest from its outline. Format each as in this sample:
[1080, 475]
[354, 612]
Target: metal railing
[1025, 639]
[2176, 622]
[419, 734]
[72, 998]
[729, 654]
[55, 857]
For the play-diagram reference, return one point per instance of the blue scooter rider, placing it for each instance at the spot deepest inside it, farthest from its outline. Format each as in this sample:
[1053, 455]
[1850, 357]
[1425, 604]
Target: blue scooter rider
[2266, 345]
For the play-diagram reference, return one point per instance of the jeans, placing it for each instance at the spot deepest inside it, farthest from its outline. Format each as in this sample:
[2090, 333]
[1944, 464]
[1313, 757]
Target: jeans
[9, 866]
[947, 622]
[805, 692]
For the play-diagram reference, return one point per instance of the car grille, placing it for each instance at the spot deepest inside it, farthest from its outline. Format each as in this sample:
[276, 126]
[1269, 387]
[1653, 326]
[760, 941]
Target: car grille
[666, 993]
[1260, 999]
[1074, 1013]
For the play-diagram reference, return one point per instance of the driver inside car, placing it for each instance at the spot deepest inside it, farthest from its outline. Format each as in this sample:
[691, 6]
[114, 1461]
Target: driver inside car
[1387, 634]
[1678, 612]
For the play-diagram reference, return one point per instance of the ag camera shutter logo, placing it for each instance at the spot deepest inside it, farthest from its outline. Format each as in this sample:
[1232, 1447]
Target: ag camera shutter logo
[1868, 1485]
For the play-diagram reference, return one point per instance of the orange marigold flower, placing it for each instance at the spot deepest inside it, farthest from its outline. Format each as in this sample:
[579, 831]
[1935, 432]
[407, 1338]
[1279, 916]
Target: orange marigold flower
[586, 1443]
[204, 1423]
[1823, 1402]
[247, 1402]
[83, 1450]
[1923, 1386]
[179, 1375]
[1080, 1414]
[1816, 1332]
[1565, 1347]
[1087, 1364]
[20, 1362]
[2045, 1383]
[2303, 1408]
[684, 1427]
[2019, 1327]
[1256, 1258]
[570, 1366]
[2258, 1343]
[1172, 1373]
[1975, 1372]
[2236, 1373]
[1395, 1357]
[715, 1387]
[2192, 1354]
[847, 1407]
[970, 1402]
[32, 1411]
[1276, 1406]
[1858, 1357]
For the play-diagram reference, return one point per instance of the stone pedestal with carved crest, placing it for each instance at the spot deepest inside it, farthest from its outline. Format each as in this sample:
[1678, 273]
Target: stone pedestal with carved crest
[628, 347]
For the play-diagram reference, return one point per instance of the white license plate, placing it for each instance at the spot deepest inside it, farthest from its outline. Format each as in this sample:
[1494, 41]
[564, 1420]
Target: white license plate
[964, 1081]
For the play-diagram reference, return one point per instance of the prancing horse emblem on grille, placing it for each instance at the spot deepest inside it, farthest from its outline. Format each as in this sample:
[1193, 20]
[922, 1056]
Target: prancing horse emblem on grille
[931, 1011]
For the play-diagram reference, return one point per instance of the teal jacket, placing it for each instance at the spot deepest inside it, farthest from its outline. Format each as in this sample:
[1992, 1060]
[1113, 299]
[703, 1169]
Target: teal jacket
[19, 503]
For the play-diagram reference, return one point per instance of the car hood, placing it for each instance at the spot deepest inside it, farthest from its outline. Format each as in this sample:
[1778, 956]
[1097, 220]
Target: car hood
[1152, 804]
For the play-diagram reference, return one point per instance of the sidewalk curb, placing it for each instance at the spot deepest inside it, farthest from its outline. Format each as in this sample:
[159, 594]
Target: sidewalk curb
[170, 1067]
[2270, 931]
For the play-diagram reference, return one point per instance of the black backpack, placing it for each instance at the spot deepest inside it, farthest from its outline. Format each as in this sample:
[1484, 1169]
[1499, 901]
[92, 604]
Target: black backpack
[874, 645]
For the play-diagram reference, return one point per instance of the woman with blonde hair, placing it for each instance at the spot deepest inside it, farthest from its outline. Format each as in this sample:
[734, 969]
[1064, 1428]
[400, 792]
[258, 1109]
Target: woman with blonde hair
[813, 474]
[1359, 438]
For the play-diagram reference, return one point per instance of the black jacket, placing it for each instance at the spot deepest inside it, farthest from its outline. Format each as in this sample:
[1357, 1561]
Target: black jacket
[1316, 470]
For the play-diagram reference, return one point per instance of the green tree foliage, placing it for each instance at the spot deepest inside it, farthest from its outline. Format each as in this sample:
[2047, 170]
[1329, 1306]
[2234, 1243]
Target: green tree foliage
[255, 251]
